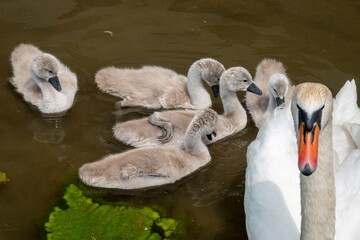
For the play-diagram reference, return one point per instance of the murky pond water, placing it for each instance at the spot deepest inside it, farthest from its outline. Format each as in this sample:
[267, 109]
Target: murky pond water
[317, 41]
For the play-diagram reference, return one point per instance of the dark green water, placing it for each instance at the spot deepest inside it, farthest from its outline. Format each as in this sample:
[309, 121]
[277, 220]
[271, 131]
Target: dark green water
[316, 40]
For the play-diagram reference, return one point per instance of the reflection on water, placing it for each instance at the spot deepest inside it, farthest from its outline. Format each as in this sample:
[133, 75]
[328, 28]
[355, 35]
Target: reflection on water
[218, 182]
[47, 130]
[317, 41]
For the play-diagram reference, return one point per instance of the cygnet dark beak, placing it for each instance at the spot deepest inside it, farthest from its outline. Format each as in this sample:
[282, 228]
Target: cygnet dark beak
[254, 89]
[280, 101]
[216, 90]
[209, 136]
[54, 81]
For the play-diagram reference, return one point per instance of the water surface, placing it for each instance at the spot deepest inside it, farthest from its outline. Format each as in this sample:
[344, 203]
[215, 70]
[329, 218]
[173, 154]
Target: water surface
[317, 41]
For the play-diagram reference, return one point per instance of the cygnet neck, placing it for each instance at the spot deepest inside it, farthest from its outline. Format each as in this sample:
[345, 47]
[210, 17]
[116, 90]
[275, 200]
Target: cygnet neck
[199, 97]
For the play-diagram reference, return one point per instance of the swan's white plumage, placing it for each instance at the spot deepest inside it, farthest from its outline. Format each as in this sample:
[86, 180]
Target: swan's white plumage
[272, 193]
[345, 110]
[354, 130]
[348, 198]
[346, 143]
[268, 204]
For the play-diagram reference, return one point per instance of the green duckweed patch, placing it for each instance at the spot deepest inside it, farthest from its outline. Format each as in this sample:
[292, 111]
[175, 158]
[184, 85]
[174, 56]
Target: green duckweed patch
[3, 177]
[85, 219]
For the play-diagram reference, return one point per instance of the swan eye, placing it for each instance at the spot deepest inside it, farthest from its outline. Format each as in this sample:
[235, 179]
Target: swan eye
[245, 80]
[275, 90]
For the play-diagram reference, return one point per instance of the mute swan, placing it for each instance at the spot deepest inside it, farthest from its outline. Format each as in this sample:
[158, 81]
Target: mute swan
[146, 167]
[272, 193]
[168, 127]
[312, 111]
[155, 87]
[271, 78]
[42, 79]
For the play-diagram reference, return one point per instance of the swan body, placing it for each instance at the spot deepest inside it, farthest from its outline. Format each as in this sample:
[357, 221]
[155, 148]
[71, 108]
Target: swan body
[354, 130]
[153, 166]
[156, 87]
[347, 197]
[272, 193]
[152, 131]
[345, 112]
[327, 212]
[42, 79]
[271, 78]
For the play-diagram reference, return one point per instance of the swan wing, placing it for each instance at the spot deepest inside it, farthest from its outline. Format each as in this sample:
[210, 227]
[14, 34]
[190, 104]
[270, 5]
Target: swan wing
[354, 131]
[272, 186]
[345, 110]
[141, 133]
[346, 117]
[348, 198]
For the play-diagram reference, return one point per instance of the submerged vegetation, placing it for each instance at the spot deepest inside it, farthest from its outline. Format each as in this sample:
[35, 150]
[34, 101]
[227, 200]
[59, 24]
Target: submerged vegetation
[85, 219]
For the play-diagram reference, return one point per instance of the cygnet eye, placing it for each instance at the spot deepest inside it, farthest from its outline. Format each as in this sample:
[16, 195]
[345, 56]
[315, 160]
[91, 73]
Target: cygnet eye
[245, 80]
[50, 71]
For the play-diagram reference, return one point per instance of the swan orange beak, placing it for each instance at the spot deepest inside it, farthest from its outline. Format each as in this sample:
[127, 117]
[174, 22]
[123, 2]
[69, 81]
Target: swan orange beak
[308, 149]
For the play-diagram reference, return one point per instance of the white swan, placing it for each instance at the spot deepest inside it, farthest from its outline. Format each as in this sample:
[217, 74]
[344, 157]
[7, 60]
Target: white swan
[272, 193]
[271, 78]
[148, 167]
[42, 79]
[155, 87]
[168, 127]
[312, 106]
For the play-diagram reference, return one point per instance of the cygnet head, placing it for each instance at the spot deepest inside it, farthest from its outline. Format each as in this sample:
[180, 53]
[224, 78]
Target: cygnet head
[203, 123]
[278, 86]
[210, 71]
[45, 68]
[238, 79]
[312, 111]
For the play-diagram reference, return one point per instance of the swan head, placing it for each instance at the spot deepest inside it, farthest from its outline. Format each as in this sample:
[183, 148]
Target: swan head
[312, 112]
[238, 79]
[278, 86]
[45, 67]
[210, 72]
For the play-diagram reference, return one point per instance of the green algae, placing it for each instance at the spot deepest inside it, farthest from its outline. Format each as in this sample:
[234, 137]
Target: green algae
[85, 219]
[3, 177]
[168, 226]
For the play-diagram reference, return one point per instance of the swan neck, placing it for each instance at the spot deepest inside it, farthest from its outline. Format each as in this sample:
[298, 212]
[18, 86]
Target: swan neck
[231, 102]
[272, 104]
[318, 193]
[52, 99]
[46, 90]
[193, 144]
[199, 97]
